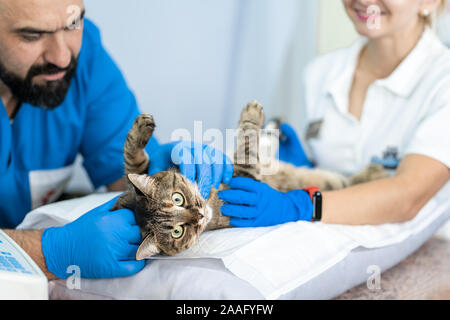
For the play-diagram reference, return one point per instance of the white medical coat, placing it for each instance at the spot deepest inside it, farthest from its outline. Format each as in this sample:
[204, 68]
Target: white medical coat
[409, 111]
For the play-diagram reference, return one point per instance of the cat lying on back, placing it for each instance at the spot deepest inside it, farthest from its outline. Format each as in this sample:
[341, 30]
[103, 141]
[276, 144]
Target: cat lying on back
[168, 207]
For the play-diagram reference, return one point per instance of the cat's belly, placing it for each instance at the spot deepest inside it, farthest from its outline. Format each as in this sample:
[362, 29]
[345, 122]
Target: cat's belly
[288, 177]
[213, 205]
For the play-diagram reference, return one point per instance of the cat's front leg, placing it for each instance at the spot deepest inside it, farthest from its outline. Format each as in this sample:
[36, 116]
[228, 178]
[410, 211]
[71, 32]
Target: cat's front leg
[125, 201]
[136, 159]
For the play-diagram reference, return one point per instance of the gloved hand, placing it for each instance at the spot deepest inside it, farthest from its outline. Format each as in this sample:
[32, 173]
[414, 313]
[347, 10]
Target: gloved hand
[103, 244]
[291, 149]
[161, 158]
[251, 203]
[201, 163]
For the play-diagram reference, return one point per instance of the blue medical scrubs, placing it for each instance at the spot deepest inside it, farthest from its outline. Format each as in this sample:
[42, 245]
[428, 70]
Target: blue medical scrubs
[94, 120]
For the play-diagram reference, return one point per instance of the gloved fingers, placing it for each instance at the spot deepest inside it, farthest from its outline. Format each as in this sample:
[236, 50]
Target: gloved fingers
[241, 223]
[239, 211]
[128, 252]
[184, 158]
[203, 178]
[125, 216]
[154, 170]
[130, 267]
[156, 164]
[160, 159]
[228, 170]
[238, 197]
[217, 175]
[203, 170]
[243, 183]
[133, 235]
[108, 205]
[214, 158]
[222, 167]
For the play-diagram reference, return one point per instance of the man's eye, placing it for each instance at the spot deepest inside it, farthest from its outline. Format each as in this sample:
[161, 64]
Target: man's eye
[31, 38]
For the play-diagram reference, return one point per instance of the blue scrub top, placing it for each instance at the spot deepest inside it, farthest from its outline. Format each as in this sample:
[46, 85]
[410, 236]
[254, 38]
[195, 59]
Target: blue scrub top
[93, 120]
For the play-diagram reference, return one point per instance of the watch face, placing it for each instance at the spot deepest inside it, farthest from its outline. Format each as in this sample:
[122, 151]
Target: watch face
[317, 204]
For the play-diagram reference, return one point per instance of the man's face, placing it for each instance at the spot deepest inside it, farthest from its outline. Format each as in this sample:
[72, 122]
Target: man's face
[39, 46]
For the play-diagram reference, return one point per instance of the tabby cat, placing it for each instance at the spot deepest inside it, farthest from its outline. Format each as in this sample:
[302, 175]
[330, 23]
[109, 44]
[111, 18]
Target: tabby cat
[169, 209]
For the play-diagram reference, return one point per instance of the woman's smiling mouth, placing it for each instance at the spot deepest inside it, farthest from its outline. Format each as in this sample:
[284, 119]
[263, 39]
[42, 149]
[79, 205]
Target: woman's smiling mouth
[366, 14]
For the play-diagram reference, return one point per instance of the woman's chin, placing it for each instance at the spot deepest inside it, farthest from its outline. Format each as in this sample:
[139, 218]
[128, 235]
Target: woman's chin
[363, 29]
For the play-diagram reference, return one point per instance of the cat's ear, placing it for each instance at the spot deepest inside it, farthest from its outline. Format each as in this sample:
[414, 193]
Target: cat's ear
[147, 248]
[141, 182]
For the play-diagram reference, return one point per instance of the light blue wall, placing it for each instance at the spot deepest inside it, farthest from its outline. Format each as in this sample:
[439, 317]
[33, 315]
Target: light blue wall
[203, 59]
[190, 60]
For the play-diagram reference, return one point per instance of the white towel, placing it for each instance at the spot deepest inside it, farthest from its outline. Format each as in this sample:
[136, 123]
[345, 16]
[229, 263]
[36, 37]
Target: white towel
[274, 260]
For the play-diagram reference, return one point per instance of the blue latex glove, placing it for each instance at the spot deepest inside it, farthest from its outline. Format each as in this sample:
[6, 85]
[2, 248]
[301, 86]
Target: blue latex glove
[291, 149]
[201, 163]
[251, 203]
[103, 244]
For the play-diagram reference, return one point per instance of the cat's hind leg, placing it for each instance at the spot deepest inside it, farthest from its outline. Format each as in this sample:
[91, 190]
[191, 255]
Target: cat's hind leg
[136, 159]
[371, 173]
[246, 157]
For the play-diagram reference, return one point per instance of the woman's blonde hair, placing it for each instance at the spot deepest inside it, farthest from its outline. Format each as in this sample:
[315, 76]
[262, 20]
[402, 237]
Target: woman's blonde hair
[430, 19]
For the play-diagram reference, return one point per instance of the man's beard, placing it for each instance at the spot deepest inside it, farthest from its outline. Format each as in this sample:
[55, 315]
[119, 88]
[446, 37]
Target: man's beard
[49, 95]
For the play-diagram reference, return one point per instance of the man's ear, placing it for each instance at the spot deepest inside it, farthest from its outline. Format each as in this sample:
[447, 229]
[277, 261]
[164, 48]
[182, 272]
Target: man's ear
[147, 248]
[141, 182]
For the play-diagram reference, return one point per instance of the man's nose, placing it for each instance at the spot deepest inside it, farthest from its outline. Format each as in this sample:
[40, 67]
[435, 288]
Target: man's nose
[57, 52]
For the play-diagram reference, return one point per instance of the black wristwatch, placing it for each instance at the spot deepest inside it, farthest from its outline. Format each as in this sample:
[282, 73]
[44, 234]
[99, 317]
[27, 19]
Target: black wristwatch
[316, 198]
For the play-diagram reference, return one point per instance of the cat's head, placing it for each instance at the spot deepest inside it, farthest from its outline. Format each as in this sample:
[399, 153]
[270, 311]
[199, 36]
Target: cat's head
[170, 212]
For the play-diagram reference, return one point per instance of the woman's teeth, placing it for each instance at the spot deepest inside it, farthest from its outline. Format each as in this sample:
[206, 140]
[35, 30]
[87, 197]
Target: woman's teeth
[365, 14]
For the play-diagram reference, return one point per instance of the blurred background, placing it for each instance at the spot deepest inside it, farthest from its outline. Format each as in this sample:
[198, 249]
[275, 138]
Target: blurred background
[205, 59]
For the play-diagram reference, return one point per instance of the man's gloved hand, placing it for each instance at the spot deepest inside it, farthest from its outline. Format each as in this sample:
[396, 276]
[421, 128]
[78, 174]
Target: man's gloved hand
[103, 244]
[204, 164]
[251, 203]
[291, 149]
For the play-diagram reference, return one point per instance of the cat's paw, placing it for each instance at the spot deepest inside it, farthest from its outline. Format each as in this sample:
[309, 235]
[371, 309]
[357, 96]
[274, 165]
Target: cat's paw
[376, 171]
[143, 128]
[253, 113]
[373, 172]
[333, 181]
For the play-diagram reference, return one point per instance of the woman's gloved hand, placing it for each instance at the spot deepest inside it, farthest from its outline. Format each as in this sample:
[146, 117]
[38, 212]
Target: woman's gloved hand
[204, 164]
[103, 244]
[251, 203]
[291, 149]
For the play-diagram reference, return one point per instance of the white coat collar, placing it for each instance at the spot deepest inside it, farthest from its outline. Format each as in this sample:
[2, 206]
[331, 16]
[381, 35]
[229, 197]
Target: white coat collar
[401, 82]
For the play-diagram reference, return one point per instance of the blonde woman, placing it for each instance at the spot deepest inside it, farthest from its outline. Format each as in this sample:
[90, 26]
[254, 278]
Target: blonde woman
[384, 99]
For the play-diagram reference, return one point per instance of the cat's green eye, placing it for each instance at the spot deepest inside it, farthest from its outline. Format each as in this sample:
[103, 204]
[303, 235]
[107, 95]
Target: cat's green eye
[177, 232]
[177, 199]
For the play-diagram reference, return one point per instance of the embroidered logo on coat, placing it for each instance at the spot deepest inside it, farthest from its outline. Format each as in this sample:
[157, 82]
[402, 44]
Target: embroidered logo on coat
[314, 129]
[390, 158]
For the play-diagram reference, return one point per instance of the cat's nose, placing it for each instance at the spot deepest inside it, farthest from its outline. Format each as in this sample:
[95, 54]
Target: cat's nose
[199, 216]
